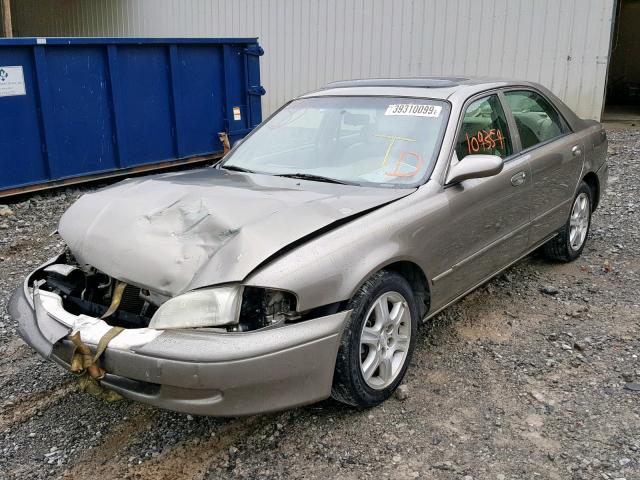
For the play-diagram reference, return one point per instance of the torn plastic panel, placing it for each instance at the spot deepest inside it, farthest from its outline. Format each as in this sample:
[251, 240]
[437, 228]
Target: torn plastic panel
[50, 331]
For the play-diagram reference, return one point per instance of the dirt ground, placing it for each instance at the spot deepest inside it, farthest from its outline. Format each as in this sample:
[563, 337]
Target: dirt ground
[529, 377]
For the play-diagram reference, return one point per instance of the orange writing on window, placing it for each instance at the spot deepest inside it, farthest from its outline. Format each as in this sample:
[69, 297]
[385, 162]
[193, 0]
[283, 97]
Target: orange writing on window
[401, 161]
[485, 140]
[392, 140]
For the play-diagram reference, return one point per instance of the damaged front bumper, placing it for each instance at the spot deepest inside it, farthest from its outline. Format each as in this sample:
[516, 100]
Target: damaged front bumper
[203, 372]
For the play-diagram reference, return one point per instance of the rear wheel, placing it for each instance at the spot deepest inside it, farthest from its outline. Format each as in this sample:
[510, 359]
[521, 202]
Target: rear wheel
[570, 241]
[378, 341]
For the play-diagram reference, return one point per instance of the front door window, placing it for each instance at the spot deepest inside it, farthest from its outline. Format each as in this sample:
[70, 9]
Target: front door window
[484, 130]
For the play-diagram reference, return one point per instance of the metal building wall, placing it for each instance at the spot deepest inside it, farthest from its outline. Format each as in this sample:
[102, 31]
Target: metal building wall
[563, 44]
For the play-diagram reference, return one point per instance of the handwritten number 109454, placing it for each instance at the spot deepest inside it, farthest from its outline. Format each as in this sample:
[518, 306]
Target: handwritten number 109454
[485, 140]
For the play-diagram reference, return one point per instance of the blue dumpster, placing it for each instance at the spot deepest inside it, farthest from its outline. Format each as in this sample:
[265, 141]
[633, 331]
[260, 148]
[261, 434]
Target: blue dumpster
[75, 108]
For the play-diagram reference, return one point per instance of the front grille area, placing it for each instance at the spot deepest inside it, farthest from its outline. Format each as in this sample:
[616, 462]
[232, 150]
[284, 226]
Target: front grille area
[132, 302]
[85, 290]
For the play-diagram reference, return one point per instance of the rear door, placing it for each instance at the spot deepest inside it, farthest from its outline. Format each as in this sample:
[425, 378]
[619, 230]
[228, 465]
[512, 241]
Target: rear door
[488, 225]
[556, 157]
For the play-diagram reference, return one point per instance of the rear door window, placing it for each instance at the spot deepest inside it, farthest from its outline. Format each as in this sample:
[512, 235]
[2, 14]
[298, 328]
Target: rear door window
[537, 121]
[484, 130]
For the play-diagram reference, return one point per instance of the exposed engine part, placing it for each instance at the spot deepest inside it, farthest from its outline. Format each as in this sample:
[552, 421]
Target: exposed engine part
[265, 308]
[152, 298]
[85, 290]
[278, 305]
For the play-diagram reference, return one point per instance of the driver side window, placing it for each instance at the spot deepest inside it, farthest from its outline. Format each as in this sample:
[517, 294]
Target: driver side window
[484, 130]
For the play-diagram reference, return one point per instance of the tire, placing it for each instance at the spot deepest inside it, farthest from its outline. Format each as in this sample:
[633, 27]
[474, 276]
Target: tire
[393, 350]
[564, 247]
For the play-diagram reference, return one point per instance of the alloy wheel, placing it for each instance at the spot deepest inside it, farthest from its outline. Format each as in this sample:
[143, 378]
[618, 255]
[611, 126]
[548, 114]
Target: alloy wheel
[385, 339]
[579, 221]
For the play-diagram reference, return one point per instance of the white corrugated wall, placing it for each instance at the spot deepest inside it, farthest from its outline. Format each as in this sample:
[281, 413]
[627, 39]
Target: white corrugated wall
[563, 44]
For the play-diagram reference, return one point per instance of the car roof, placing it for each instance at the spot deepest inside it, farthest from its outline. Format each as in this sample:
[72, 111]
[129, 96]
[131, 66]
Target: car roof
[424, 82]
[427, 87]
[455, 90]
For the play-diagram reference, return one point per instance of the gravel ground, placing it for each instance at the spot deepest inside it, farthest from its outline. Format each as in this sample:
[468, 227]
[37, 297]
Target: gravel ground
[523, 379]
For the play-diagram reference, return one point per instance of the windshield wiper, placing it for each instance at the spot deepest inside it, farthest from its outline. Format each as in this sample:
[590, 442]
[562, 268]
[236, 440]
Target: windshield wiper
[315, 178]
[236, 169]
[302, 176]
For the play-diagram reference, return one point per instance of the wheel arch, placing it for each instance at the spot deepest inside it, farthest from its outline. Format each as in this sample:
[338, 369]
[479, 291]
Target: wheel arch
[415, 275]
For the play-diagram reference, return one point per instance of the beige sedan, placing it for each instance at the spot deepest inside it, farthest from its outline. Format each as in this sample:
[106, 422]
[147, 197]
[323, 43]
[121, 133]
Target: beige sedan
[300, 266]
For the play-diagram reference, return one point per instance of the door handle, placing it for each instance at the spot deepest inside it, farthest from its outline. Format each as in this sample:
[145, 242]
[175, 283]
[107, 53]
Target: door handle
[518, 179]
[576, 151]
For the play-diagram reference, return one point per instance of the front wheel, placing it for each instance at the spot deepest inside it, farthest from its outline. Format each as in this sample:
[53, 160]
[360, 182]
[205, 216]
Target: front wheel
[378, 341]
[570, 241]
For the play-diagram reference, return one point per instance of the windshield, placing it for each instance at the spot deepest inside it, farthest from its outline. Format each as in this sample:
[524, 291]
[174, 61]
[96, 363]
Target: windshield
[360, 140]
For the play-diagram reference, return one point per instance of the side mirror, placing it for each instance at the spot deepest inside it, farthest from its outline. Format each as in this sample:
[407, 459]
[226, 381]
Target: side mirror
[475, 166]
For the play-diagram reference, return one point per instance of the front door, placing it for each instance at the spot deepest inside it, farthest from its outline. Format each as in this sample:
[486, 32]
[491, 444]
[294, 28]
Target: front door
[488, 225]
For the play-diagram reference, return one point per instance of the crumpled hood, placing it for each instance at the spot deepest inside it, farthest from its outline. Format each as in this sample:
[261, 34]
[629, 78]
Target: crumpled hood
[174, 232]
